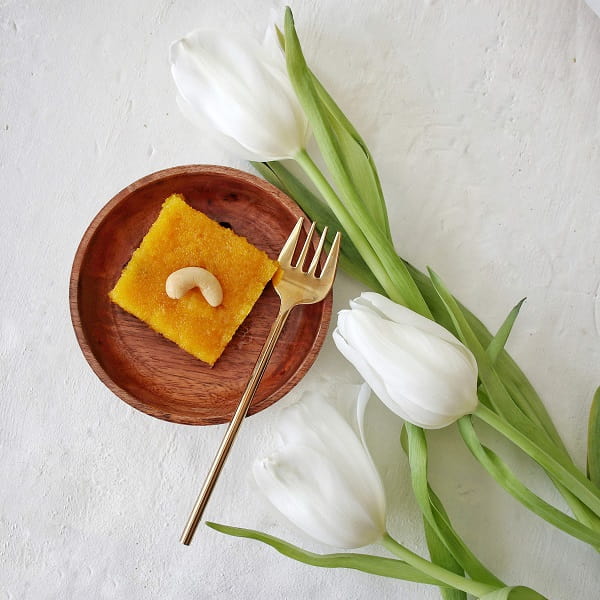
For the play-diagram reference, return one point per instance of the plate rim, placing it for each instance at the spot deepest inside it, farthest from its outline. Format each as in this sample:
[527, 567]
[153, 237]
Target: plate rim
[79, 328]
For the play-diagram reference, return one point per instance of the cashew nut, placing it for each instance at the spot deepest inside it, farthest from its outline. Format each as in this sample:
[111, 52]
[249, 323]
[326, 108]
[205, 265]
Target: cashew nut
[183, 280]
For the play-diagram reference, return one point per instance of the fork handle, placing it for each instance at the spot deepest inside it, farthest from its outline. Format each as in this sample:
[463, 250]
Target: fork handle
[234, 425]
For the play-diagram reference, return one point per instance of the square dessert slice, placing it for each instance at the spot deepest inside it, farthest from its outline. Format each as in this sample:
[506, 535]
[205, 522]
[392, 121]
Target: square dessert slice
[184, 237]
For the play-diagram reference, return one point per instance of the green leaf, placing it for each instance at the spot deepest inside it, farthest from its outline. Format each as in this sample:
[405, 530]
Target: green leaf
[438, 550]
[363, 171]
[436, 516]
[498, 469]
[441, 556]
[514, 593]
[369, 237]
[516, 383]
[359, 163]
[376, 565]
[571, 478]
[350, 259]
[276, 173]
[499, 340]
[497, 393]
[593, 455]
[514, 424]
[519, 388]
[452, 579]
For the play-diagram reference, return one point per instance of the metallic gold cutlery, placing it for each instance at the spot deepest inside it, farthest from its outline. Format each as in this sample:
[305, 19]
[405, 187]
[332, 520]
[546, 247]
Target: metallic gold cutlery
[294, 286]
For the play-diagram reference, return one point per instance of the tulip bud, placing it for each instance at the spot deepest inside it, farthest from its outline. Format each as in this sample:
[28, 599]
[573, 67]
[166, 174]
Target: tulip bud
[239, 91]
[418, 369]
[323, 478]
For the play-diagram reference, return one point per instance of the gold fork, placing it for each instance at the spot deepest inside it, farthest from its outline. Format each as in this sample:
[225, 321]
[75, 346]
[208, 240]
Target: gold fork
[294, 286]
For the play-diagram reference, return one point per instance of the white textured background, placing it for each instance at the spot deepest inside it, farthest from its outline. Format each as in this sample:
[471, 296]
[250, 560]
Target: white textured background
[484, 120]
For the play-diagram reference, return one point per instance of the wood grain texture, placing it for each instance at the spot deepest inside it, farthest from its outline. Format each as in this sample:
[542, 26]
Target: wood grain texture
[152, 373]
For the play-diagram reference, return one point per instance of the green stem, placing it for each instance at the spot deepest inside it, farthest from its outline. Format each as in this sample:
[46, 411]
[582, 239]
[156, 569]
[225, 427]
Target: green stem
[458, 582]
[376, 250]
[582, 513]
[518, 427]
[346, 221]
[350, 259]
[496, 467]
[571, 477]
[433, 511]
[329, 102]
[518, 386]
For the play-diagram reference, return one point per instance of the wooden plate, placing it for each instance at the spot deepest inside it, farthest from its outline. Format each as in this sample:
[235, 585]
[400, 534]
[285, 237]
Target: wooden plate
[146, 370]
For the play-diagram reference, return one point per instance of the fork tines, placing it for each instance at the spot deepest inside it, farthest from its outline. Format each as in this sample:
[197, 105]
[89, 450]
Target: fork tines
[287, 252]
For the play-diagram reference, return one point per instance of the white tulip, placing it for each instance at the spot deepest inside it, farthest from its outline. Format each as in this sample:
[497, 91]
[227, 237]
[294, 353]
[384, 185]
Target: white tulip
[323, 478]
[239, 89]
[418, 369]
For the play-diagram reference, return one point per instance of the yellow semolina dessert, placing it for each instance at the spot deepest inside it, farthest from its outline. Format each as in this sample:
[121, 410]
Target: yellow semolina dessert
[183, 237]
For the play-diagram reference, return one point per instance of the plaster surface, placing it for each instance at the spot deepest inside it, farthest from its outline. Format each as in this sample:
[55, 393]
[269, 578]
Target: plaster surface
[484, 120]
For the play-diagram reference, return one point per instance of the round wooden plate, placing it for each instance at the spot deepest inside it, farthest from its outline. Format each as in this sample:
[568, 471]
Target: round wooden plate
[143, 368]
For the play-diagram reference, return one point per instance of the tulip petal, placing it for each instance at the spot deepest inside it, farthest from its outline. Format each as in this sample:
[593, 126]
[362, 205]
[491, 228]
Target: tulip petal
[312, 493]
[315, 423]
[207, 130]
[403, 407]
[239, 87]
[413, 365]
[418, 369]
[323, 479]
[364, 395]
[392, 311]
[370, 375]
